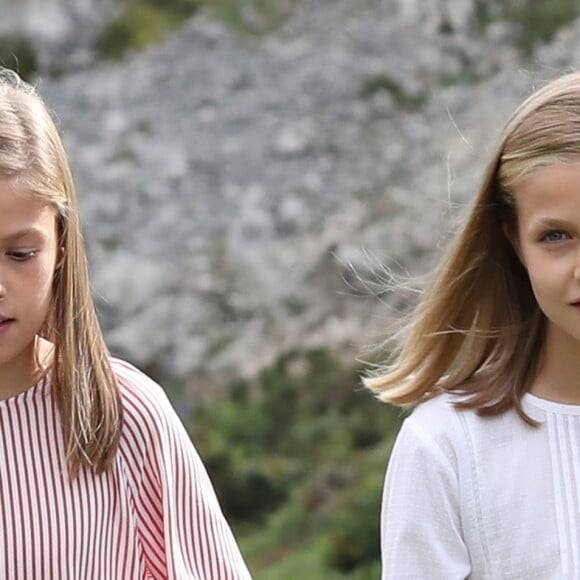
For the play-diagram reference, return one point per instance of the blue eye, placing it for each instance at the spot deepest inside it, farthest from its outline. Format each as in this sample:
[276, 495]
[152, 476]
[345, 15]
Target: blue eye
[554, 236]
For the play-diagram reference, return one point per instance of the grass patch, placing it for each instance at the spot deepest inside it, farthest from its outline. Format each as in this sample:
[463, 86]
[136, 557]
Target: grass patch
[218, 346]
[539, 20]
[298, 456]
[144, 22]
[338, 539]
[139, 25]
[536, 21]
[252, 16]
[383, 82]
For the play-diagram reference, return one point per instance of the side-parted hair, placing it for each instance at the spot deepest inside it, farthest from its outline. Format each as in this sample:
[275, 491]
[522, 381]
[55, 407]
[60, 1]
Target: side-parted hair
[83, 385]
[477, 330]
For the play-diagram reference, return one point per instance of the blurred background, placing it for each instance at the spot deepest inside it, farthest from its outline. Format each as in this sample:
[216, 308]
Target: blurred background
[253, 174]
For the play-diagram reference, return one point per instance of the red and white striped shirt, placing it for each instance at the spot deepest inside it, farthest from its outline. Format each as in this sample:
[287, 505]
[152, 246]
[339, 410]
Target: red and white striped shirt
[153, 515]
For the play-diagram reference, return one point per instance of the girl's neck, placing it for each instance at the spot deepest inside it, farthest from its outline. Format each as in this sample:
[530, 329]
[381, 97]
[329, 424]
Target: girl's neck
[558, 378]
[26, 370]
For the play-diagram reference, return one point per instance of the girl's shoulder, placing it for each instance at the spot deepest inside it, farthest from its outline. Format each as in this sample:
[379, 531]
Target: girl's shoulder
[131, 380]
[435, 424]
[153, 438]
[145, 404]
[437, 417]
[441, 413]
[438, 424]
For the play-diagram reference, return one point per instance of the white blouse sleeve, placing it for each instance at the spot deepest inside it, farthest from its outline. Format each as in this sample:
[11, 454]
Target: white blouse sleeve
[421, 535]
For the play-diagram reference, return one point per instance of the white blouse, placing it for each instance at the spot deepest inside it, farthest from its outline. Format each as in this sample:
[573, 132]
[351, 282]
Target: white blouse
[483, 498]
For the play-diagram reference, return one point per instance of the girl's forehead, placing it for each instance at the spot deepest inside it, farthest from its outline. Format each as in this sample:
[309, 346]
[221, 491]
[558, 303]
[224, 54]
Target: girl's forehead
[554, 174]
[541, 172]
[20, 211]
[550, 193]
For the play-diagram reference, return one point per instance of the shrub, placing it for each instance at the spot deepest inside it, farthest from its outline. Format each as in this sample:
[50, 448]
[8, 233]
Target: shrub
[300, 452]
[18, 54]
[183, 8]
[536, 21]
[383, 82]
[249, 488]
[142, 23]
[251, 16]
[354, 541]
[250, 480]
[273, 431]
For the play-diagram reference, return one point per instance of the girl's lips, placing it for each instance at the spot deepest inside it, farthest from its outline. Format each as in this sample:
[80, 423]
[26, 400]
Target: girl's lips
[5, 324]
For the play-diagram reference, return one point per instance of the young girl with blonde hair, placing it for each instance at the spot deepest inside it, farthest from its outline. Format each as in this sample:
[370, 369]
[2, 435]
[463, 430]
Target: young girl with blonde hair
[484, 478]
[98, 477]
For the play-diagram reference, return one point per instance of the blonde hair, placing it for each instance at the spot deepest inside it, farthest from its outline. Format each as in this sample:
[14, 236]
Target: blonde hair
[82, 382]
[477, 330]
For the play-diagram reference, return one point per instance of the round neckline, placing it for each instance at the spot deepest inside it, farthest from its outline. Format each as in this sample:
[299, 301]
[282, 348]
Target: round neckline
[42, 387]
[552, 406]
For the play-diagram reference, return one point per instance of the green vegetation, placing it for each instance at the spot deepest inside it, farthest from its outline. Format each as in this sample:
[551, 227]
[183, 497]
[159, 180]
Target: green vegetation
[536, 21]
[18, 54]
[143, 22]
[539, 20]
[298, 458]
[251, 16]
[383, 82]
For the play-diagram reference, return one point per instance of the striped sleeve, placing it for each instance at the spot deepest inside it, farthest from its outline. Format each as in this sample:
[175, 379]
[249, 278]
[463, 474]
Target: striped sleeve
[183, 531]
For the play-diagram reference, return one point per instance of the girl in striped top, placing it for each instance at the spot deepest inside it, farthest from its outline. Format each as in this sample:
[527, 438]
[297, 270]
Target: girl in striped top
[484, 478]
[98, 477]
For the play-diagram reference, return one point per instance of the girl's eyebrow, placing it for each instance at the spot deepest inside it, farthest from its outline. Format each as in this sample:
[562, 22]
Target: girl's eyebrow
[550, 222]
[31, 232]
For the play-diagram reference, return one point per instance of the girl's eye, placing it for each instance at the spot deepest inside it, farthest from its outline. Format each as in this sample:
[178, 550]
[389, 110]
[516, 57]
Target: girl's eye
[22, 256]
[554, 236]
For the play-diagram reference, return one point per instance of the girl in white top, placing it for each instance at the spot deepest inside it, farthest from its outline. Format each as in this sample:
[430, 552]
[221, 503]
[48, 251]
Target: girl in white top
[98, 477]
[484, 478]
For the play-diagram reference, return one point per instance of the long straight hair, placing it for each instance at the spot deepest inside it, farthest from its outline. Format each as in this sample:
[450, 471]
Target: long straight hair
[478, 330]
[82, 382]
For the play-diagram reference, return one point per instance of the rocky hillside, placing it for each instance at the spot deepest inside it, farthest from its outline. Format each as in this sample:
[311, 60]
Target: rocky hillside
[240, 192]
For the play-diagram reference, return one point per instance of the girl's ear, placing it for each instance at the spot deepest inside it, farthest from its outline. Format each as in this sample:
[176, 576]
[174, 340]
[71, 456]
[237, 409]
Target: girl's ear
[511, 234]
[60, 259]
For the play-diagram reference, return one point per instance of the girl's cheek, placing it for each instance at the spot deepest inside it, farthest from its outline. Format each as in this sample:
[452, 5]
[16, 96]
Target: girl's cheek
[40, 274]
